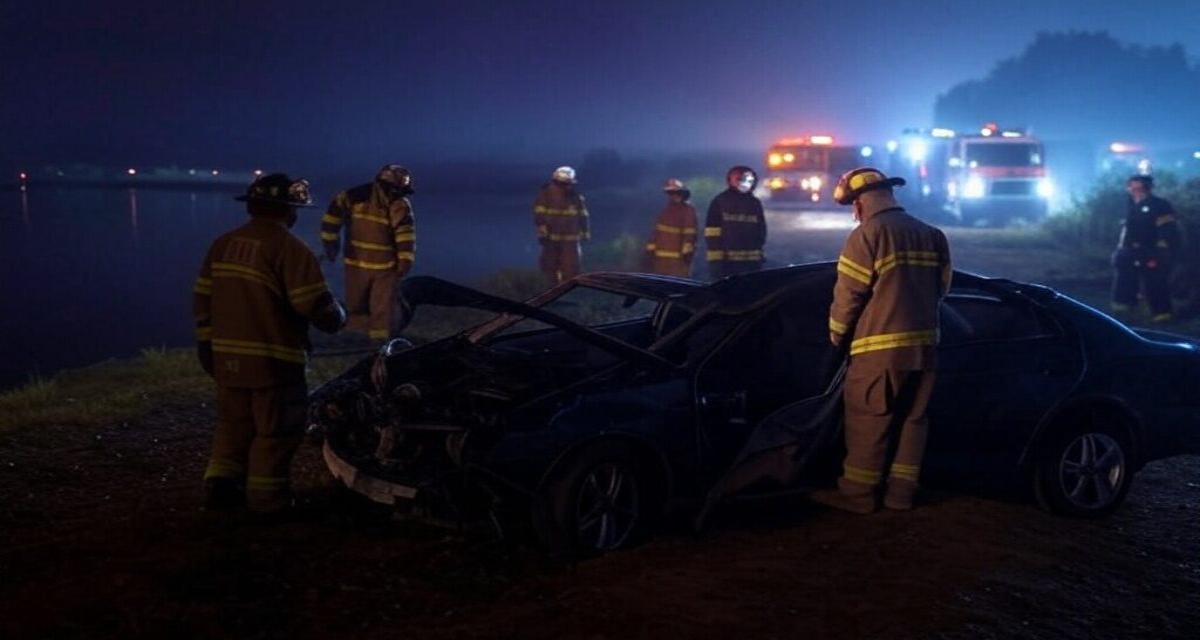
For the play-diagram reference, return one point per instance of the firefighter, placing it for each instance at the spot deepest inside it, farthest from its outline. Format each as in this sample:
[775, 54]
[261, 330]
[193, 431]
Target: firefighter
[259, 288]
[673, 242]
[1149, 241]
[892, 275]
[735, 228]
[561, 218]
[381, 247]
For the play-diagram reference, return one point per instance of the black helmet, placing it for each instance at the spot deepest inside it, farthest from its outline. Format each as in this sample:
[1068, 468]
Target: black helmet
[861, 180]
[278, 188]
[395, 179]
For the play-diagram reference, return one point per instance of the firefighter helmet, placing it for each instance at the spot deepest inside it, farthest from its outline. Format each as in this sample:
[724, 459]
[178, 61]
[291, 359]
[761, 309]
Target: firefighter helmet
[563, 174]
[673, 184]
[858, 181]
[278, 188]
[1145, 179]
[741, 178]
[395, 178]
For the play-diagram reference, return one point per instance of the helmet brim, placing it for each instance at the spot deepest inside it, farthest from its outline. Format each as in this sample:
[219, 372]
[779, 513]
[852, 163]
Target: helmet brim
[888, 183]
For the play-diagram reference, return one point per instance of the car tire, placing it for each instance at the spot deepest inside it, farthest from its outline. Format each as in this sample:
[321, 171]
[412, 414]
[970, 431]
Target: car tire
[598, 500]
[1084, 471]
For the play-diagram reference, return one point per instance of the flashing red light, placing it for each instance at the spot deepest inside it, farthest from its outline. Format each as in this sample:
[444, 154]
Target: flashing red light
[131, 171]
[23, 176]
[821, 140]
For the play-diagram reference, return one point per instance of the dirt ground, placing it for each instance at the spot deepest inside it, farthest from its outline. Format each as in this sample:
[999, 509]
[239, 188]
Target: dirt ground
[101, 537]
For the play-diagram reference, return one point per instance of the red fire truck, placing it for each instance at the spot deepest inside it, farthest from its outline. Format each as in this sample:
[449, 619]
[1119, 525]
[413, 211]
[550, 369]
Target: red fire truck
[997, 177]
[803, 171]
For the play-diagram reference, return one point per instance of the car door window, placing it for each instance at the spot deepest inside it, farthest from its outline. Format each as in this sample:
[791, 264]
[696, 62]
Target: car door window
[974, 317]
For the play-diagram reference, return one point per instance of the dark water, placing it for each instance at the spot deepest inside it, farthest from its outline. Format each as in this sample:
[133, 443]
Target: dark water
[89, 274]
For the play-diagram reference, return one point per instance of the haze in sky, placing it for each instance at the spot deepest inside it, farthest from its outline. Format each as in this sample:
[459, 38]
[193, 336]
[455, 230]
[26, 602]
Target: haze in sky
[324, 83]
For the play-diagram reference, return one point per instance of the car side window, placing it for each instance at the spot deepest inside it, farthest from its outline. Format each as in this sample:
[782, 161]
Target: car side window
[975, 316]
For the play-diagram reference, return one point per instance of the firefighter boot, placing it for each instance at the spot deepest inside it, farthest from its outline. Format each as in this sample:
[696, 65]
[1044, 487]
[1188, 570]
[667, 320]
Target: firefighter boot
[900, 494]
[223, 494]
[856, 501]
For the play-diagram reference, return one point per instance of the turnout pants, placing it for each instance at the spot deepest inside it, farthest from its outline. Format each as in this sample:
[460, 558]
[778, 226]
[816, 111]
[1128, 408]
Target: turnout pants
[1154, 283]
[258, 432]
[885, 418]
[369, 295]
[559, 260]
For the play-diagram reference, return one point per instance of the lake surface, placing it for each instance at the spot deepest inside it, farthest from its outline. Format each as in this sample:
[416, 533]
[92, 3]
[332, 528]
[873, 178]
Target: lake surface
[91, 273]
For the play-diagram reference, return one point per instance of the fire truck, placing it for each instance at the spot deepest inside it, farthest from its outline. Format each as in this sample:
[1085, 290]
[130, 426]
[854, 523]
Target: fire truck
[995, 177]
[803, 171]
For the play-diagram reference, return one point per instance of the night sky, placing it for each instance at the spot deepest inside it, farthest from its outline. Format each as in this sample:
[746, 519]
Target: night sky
[321, 83]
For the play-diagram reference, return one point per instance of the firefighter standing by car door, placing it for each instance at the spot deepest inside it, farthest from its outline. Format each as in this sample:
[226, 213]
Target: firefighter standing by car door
[560, 216]
[381, 247]
[258, 290]
[735, 228]
[892, 275]
[672, 245]
[1149, 240]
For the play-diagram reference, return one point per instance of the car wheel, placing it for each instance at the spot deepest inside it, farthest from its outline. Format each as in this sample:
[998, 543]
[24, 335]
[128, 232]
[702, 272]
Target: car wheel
[599, 501]
[1084, 472]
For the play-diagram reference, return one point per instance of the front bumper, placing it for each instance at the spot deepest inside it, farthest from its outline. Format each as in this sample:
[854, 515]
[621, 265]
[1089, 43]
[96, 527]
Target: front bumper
[374, 488]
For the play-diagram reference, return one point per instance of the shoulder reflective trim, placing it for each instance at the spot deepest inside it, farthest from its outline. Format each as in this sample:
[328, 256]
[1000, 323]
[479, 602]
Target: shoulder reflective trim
[712, 232]
[894, 341]
[1164, 219]
[363, 264]
[328, 236]
[848, 269]
[230, 270]
[267, 483]
[370, 218]
[254, 348]
[405, 237]
[906, 471]
[371, 246]
[660, 253]
[331, 219]
[221, 468]
[860, 475]
[410, 256]
[203, 334]
[715, 255]
[837, 327]
[666, 228]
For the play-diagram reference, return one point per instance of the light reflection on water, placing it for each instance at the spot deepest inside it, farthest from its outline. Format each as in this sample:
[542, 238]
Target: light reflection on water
[89, 274]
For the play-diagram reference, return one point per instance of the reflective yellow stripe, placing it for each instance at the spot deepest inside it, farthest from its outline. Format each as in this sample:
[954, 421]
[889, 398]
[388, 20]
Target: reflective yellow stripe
[894, 341]
[406, 237]
[362, 264]
[715, 255]
[712, 232]
[410, 256]
[251, 348]
[666, 228]
[689, 231]
[1162, 317]
[1164, 219]
[203, 286]
[862, 271]
[266, 483]
[860, 475]
[331, 219]
[564, 237]
[203, 334]
[910, 258]
[743, 255]
[377, 334]
[372, 246]
[230, 270]
[837, 327]
[667, 254]
[302, 294]
[569, 211]
[218, 468]
[905, 471]
[650, 246]
[370, 218]
[328, 237]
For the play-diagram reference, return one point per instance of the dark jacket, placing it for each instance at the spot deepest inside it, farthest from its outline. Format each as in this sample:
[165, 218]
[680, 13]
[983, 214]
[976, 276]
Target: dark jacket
[735, 228]
[1151, 230]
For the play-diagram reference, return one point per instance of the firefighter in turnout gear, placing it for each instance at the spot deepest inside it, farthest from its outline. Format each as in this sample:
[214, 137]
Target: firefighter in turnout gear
[561, 219]
[892, 275]
[259, 289]
[1143, 260]
[673, 243]
[735, 229]
[381, 245]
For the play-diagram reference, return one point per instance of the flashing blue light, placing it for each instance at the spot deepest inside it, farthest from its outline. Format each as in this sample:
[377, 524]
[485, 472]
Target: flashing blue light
[866, 151]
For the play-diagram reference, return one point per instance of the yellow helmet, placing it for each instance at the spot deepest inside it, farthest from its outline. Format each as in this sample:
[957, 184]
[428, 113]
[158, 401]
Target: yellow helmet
[858, 181]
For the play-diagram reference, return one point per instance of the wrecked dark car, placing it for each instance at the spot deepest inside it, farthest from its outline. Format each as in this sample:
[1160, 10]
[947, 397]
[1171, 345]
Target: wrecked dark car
[614, 398]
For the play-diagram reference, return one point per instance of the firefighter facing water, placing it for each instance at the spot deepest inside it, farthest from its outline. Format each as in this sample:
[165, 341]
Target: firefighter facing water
[892, 275]
[1144, 256]
[381, 246]
[673, 243]
[561, 219]
[258, 290]
[735, 229]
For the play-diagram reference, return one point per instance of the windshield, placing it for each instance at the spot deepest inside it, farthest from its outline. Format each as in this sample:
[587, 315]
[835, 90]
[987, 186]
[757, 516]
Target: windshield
[586, 306]
[1004, 155]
